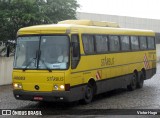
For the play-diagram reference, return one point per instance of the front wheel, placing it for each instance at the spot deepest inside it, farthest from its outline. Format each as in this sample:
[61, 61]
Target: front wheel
[88, 96]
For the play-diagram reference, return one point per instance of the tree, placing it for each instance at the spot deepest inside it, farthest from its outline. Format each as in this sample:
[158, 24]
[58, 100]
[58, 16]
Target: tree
[60, 9]
[15, 14]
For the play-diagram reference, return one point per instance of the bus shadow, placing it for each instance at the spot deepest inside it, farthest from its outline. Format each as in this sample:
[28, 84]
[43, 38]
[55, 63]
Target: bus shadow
[72, 105]
[109, 94]
[51, 105]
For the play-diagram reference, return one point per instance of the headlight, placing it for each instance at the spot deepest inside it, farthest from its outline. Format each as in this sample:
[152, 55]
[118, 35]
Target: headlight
[17, 86]
[62, 87]
[58, 87]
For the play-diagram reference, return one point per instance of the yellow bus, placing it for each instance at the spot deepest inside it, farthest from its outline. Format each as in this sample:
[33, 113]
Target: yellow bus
[77, 59]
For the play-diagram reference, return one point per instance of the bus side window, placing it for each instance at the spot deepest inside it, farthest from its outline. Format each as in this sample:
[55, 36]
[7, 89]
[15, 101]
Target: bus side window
[75, 51]
[151, 42]
[88, 43]
[101, 43]
[125, 43]
[143, 42]
[114, 44]
[134, 43]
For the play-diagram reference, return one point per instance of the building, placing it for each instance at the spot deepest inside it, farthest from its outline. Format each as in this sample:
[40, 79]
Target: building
[124, 21]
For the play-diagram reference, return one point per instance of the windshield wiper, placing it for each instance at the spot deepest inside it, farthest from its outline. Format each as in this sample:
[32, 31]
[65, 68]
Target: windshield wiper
[46, 65]
[29, 63]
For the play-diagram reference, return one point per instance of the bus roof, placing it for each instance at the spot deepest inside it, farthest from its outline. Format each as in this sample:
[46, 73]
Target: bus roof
[72, 27]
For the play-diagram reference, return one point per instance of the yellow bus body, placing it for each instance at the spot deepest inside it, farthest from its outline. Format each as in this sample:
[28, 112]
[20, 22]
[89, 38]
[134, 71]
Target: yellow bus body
[108, 66]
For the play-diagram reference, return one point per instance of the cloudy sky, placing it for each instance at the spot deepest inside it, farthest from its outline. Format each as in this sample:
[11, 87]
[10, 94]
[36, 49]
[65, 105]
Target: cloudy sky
[133, 8]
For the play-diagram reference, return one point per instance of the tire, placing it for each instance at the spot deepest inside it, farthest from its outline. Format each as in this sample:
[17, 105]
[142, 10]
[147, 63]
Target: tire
[88, 95]
[133, 83]
[140, 80]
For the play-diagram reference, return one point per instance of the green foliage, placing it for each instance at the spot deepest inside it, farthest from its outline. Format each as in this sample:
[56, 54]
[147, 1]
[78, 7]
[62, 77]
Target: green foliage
[60, 9]
[15, 14]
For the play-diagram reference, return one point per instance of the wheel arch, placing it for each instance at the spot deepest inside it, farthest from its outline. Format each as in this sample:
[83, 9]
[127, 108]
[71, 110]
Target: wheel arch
[136, 72]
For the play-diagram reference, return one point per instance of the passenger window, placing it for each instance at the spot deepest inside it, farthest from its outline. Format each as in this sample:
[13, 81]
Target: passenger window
[151, 42]
[134, 43]
[101, 43]
[143, 42]
[88, 43]
[114, 44]
[125, 44]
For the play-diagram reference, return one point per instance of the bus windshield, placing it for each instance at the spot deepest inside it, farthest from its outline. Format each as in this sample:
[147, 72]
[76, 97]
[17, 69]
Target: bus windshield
[42, 52]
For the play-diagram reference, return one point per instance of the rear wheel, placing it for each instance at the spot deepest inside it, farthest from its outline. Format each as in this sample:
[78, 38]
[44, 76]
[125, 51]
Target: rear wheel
[88, 96]
[133, 83]
[140, 80]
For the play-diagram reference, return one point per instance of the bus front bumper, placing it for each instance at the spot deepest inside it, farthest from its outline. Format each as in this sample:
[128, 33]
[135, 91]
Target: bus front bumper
[58, 96]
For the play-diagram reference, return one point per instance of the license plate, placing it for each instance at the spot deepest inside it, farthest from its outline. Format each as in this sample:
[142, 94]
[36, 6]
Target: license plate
[38, 98]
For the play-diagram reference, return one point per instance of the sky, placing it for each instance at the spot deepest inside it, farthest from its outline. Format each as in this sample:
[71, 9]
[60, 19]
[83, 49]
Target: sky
[134, 8]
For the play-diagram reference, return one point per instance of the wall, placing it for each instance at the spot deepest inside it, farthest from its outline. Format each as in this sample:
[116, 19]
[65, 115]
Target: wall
[123, 21]
[6, 66]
